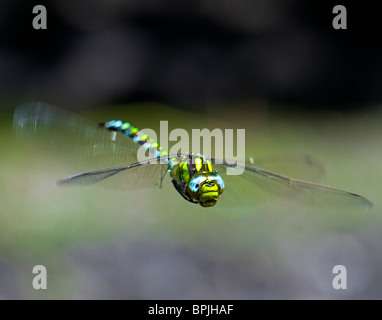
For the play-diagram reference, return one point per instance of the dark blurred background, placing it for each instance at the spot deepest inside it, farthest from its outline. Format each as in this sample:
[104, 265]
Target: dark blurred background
[192, 53]
[276, 68]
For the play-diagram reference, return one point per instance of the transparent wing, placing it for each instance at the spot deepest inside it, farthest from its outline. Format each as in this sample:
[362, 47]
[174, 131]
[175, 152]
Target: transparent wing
[298, 166]
[65, 136]
[91, 177]
[124, 177]
[243, 186]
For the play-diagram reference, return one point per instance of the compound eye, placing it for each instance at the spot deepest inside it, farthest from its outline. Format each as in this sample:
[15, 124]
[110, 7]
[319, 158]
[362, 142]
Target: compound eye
[195, 183]
[219, 181]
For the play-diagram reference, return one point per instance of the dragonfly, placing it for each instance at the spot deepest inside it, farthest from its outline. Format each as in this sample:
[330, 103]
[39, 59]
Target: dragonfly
[108, 152]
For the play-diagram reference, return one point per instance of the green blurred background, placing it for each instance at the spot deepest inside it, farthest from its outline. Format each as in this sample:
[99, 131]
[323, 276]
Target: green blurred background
[151, 244]
[278, 71]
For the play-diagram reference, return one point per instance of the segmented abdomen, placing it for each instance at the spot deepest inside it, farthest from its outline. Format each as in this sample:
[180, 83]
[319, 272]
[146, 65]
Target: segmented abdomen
[135, 134]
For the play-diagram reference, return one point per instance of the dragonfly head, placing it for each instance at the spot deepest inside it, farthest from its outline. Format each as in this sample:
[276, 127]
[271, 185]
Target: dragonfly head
[206, 187]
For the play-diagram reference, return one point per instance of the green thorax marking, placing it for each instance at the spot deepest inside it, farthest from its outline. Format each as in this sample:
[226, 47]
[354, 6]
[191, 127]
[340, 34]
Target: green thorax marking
[190, 166]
